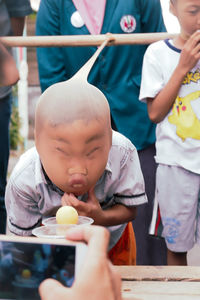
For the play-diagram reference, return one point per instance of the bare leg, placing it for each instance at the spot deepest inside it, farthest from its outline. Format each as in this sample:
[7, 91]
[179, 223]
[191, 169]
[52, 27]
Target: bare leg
[176, 258]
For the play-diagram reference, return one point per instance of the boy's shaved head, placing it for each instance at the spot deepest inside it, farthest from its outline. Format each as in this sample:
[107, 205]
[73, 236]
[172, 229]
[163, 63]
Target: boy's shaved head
[72, 100]
[65, 102]
[73, 134]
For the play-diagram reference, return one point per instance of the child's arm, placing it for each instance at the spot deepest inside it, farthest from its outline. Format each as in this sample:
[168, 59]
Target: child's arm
[17, 24]
[21, 207]
[8, 71]
[159, 107]
[115, 215]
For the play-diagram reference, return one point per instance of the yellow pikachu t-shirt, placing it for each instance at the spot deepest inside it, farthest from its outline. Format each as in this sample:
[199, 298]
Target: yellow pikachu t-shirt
[178, 135]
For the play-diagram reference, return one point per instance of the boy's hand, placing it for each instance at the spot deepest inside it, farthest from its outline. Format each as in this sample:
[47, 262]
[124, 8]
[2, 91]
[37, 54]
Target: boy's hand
[91, 208]
[190, 53]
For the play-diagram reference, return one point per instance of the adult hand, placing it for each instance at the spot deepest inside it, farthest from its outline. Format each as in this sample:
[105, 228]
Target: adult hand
[97, 278]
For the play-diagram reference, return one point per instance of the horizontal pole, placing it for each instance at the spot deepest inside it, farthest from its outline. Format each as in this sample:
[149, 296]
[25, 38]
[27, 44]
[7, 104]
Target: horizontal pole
[84, 40]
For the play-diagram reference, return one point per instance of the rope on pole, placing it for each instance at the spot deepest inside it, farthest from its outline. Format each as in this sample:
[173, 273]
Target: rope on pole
[84, 40]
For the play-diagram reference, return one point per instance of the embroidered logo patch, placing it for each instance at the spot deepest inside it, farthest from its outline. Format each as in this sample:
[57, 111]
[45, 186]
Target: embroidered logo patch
[128, 23]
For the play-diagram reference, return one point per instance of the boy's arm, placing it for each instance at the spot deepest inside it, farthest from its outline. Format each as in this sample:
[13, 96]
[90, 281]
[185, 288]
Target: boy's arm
[22, 211]
[159, 107]
[115, 215]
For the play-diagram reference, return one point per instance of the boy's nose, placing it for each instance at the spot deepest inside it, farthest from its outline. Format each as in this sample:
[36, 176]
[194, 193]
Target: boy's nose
[77, 170]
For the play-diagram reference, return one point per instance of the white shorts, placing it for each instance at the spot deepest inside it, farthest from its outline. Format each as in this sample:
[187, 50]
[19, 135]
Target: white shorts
[178, 195]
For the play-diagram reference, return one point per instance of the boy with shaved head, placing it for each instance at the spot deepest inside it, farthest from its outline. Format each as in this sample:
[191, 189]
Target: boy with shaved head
[171, 87]
[78, 161]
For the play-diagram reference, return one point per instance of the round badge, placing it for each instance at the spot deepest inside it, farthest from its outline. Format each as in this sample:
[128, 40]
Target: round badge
[128, 23]
[76, 20]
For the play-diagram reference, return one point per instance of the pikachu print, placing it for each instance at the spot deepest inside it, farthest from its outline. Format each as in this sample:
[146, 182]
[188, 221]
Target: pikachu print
[184, 117]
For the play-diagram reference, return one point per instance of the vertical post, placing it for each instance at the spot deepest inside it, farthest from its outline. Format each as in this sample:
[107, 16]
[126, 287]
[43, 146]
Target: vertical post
[23, 92]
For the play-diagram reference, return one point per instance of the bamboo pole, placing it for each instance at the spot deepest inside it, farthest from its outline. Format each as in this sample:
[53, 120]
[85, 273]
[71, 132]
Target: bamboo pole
[84, 40]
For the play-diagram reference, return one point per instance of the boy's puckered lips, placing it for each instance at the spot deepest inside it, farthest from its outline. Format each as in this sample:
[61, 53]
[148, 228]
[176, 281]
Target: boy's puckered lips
[77, 181]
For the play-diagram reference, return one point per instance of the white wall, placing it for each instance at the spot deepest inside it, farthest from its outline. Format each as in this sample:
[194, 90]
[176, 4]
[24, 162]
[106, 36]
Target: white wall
[171, 22]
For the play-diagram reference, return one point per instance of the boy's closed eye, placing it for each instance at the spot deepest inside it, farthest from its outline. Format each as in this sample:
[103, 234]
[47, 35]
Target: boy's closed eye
[88, 154]
[93, 151]
[193, 12]
[62, 151]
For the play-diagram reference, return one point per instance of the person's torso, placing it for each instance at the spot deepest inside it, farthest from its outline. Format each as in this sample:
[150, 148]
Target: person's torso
[117, 71]
[5, 30]
[178, 135]
[29, 180]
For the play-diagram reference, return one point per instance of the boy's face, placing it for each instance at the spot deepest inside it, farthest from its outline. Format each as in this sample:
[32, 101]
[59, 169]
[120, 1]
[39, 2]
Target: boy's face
[75, 155]
[188, 14]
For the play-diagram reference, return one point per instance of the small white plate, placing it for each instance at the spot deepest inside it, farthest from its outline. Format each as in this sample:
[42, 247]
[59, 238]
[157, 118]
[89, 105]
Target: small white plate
[55, 231]
[81, 221]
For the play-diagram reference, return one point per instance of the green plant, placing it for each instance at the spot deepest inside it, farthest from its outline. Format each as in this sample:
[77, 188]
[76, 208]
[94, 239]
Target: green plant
[32, 16]
[15, 123]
